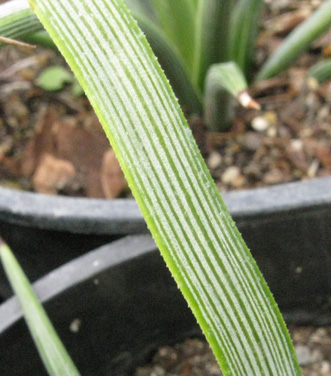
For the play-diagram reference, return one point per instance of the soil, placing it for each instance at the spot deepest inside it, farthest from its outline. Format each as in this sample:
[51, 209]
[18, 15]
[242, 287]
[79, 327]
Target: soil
[51, 142]
[194, 357]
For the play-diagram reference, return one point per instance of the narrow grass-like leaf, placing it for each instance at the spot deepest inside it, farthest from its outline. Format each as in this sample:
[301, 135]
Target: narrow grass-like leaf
[211, 36]
[245, 22]
[298, 41]
[177, 20]
[171, 183]
[17, 20]
[144, 7]
[55, 357]
[223, 79]
[41, 38]
[321, 71]
[188, 94]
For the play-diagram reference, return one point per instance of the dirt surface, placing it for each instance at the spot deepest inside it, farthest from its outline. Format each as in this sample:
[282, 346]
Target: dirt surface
[51, 141]
[194, 357]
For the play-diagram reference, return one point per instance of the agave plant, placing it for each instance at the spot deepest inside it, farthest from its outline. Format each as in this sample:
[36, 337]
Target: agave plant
[200, 243]
[206, 47]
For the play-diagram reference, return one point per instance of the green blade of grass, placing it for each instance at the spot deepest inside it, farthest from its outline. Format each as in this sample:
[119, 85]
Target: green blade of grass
[211, 36]
[55, 357]
[17, 20]
[245, 22]
[321, 71]
[223, 79]
[177, 20]
[298, 41]
[41, 38]
[188, 94]
[144, 7]
[170, 181]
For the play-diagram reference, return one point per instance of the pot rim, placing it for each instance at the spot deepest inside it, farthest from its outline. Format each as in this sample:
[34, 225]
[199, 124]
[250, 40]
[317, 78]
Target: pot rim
[77, 271]
[122, 216]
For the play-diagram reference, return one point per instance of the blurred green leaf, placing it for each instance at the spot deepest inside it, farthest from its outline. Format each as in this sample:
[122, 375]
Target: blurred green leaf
[54, 78]
[321, 71]
[298, 41]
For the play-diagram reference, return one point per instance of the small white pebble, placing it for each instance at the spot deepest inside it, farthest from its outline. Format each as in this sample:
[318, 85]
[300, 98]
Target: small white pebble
[214, 160]
[296, 145]
[298, 269]
[313, 168]
[260, 124]
[75, 325]
[230, 174]
[304, 355]
[325, 368]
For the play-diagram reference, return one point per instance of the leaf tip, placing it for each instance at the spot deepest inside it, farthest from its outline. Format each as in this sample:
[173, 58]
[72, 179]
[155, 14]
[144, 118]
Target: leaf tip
[247, 101]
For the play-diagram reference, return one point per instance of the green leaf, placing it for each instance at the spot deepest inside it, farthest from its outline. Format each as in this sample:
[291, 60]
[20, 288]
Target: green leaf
[143, 7]
[171, 183]
[41, 38]
[223, 79]
[17, 20]
[177, 20]
[245, 22]
[298, 41]
[321, 71]
[54, 78]
[54, 356]
[175, 69]
[211, 36]
[76, 89]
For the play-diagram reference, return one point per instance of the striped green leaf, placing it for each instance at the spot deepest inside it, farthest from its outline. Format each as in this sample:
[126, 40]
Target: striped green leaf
[321, 71]
[177, 20]
[143, 7]
[188, 93]
[177, 196]
[55, 357]
[211, 36]
[17, 20]
[298, 41]
[245, 22]
[223, 79]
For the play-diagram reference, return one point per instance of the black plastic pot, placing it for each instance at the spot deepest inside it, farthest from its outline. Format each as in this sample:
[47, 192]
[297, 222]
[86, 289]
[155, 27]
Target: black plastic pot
[122, 300]
[112, 308]
[287, 227]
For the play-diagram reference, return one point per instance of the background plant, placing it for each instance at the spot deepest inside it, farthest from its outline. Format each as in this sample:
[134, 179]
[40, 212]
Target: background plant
[191, 38]
[200, 243]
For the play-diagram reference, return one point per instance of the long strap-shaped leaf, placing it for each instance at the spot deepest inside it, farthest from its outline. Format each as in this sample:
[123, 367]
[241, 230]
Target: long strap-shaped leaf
[245, 21]
[16, 19]
[55, 357]
[211, 36]
[298, 41]
[175, 69]
[181, 205]
[177, 20]
[321, 71]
